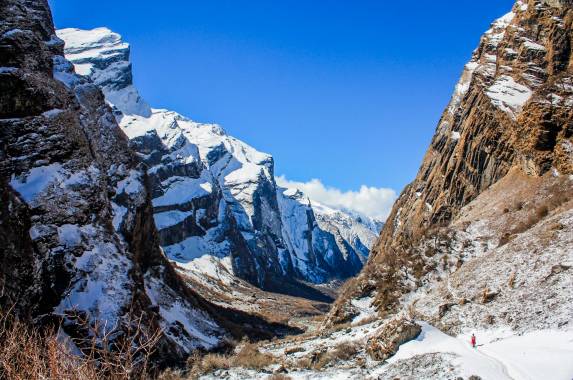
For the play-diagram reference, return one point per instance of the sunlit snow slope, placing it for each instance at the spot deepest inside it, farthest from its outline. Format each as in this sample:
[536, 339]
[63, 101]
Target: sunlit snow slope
[215, 195]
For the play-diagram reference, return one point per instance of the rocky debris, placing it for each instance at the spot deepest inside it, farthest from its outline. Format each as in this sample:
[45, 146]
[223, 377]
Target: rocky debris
[428, 366]
[215, 195]
[385, 343]
[511, 110]
[524, 290]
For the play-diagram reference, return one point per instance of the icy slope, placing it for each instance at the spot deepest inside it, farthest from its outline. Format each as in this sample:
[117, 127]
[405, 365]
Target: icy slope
[215, 195]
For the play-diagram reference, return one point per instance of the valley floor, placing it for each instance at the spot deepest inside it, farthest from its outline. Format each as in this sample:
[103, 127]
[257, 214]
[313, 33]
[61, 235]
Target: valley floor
[514, 293]
[500, 354]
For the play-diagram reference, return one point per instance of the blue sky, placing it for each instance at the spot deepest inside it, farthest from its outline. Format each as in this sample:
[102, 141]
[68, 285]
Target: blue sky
[347, 92]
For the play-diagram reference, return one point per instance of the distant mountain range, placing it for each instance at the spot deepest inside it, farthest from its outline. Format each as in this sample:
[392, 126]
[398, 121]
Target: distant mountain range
[215, 195]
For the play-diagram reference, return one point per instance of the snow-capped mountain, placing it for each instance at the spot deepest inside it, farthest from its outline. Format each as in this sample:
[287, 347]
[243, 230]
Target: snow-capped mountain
[78, 242]
[215, 195]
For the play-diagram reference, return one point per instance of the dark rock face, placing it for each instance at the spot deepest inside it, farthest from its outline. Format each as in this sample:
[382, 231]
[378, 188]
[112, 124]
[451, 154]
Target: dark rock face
[77, 234]
[511, 109]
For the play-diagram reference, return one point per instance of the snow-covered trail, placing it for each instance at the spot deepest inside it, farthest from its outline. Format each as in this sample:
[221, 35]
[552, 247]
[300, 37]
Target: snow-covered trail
[536, 355]
[500, 354]
[470, 360]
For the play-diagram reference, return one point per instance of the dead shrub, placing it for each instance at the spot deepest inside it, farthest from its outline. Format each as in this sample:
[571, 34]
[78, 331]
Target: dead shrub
[303, 363]
[250, 357]
[511, 280]
[293, 350]
[542, 212]
[30, 352]
[345, 351]
[213, 362]
[322, 358]
[171, 374]
[506, 238]
[365, 321]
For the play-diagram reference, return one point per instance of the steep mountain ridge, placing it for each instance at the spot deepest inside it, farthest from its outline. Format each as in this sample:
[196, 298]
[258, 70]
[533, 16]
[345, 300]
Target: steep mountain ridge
[78, 240]
[512, 109]
[215, 195]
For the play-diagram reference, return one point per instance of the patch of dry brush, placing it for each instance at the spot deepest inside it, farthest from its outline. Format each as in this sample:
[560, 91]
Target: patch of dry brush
[31, 353]
[249, 357]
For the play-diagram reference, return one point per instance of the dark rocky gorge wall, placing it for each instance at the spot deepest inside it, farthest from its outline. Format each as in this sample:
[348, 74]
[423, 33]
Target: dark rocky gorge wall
[77, 235]
[511, 109]
[80, 199]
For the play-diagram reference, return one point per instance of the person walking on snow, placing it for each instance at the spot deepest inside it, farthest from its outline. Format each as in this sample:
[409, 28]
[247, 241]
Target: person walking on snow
[473, 341]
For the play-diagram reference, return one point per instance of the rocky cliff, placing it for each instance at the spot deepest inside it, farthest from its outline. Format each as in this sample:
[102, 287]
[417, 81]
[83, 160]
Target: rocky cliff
[77, 236]
[511, 113]
[215, 195]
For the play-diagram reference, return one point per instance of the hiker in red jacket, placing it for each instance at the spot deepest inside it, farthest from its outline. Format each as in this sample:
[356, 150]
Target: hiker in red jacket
[473, 341]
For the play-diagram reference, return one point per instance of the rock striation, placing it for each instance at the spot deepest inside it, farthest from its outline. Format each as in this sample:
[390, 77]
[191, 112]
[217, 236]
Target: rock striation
[511, 110]
[77, 236]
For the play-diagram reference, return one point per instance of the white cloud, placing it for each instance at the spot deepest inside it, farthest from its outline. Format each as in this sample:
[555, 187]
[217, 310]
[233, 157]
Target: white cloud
[370, 201]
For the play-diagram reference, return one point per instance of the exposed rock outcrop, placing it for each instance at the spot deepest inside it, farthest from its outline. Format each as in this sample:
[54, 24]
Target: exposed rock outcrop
[513, 108]
[77, 231]
[385, 342]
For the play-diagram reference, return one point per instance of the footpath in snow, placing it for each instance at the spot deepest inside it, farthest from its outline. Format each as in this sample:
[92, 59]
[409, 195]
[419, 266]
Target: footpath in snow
[500, 355]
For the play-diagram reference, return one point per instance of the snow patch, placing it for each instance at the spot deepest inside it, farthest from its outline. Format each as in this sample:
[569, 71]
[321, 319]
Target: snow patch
[508, 95]
[37, 180]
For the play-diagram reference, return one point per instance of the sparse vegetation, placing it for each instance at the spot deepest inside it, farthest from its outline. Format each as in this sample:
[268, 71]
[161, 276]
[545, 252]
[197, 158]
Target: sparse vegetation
[210, 363]
[278, 376]
[249, 356]
[293, 350]
[511, 281]
[321, 359]
[559, 197]
[366, 320]
[29, 352]
[345, 351]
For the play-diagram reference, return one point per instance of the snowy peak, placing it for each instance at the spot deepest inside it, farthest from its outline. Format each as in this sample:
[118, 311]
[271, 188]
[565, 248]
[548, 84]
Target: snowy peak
[101, 55]
[216, 195]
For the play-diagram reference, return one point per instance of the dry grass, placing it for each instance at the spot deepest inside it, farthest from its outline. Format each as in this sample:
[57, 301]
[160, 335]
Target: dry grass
[279, 376]
[26, 353]
[294, 350]
[558, 197]
[511, 280]
[366, 320]
[212, 362]
[31, 353]
[249, 356]
[320, 359]
[345, 351]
